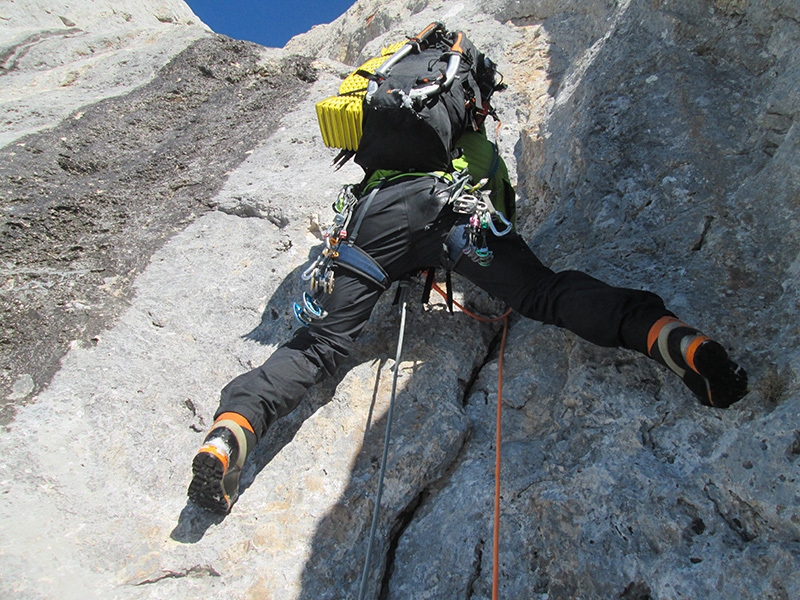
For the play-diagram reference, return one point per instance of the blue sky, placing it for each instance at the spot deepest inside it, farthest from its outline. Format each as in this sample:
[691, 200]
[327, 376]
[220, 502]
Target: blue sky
[267, 22]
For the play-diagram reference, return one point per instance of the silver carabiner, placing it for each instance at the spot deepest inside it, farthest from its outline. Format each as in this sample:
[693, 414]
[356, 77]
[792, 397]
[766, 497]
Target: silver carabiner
[309, 272]
[502, 218]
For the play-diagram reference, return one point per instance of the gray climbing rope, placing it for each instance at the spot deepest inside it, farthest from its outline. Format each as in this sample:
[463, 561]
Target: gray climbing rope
[403, 300]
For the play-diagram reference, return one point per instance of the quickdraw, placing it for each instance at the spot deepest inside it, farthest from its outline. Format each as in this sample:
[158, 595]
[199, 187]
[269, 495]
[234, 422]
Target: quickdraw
[473, 201]
[319, 274]
[308, 311]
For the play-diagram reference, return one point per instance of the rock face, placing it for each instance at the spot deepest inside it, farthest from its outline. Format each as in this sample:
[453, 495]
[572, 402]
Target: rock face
[136, 166]
[154, 230]
[58, 56]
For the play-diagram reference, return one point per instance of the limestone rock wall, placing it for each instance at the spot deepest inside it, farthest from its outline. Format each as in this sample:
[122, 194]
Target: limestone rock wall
[654, 144]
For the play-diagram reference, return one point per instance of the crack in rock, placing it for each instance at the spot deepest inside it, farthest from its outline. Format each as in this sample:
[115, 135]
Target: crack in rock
[740, 516]
[477, 568]
[195, 571]
[404, 519]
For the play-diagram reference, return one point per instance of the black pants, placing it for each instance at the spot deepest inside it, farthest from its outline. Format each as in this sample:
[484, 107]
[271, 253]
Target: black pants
[405, 229]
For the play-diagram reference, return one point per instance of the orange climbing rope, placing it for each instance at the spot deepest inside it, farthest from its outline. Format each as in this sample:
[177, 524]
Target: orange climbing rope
[498, 442]
[498, 435]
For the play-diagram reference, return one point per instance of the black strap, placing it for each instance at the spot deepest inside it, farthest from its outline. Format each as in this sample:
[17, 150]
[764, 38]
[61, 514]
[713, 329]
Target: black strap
[430, 278]
[365, 75]
[401, 294]
[342, 158]
[449, 289]
[351, 238]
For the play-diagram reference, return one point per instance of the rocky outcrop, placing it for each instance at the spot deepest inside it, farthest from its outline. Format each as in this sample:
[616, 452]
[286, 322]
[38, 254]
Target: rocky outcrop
[655, 145]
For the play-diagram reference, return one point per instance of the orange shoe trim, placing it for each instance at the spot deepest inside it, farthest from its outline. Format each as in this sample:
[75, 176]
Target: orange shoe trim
[655, 331]
[691, 350]
[223, 458]
[236, 418]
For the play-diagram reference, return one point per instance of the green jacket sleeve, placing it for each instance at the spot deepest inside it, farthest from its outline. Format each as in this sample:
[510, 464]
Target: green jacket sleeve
[483, 160]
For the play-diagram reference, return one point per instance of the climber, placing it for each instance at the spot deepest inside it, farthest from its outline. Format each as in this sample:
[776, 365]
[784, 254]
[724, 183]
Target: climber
[432, 198]
[404, 229]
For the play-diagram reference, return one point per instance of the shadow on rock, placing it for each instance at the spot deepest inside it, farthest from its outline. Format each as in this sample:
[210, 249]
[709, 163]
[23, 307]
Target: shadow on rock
[193, 524]
[278, 311]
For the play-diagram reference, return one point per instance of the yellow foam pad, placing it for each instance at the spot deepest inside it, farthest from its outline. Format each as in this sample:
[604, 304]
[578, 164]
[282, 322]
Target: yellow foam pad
[340, 116]
[340, 121]
[355, 82]
[389, 50]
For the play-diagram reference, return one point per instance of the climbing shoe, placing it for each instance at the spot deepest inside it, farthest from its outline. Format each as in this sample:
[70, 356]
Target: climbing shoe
[217, 466]
[702, 364]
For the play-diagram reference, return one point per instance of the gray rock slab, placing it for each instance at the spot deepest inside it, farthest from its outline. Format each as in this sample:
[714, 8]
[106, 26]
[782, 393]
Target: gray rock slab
[655, 146]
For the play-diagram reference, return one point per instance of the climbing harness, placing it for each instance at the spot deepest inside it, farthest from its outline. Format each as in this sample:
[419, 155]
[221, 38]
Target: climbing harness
[403, 301]
[468, 239]
[339, 251]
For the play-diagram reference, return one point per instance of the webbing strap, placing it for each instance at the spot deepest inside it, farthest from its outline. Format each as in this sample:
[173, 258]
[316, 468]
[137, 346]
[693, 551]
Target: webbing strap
[448, 280]
[351, 238]
[430, 279]
[392, 177]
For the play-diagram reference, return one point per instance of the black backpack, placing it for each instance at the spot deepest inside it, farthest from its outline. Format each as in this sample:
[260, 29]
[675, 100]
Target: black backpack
[418, 102]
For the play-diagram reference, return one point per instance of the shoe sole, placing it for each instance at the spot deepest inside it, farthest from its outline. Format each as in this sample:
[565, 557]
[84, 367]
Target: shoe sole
[725, 381]
[207, 489]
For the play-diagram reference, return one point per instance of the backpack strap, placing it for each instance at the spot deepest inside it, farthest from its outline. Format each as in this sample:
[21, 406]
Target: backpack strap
[342, 158]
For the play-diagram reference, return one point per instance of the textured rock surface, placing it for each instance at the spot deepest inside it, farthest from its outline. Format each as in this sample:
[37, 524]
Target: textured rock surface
[58, 56]
[655, 144]
[137, 167]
